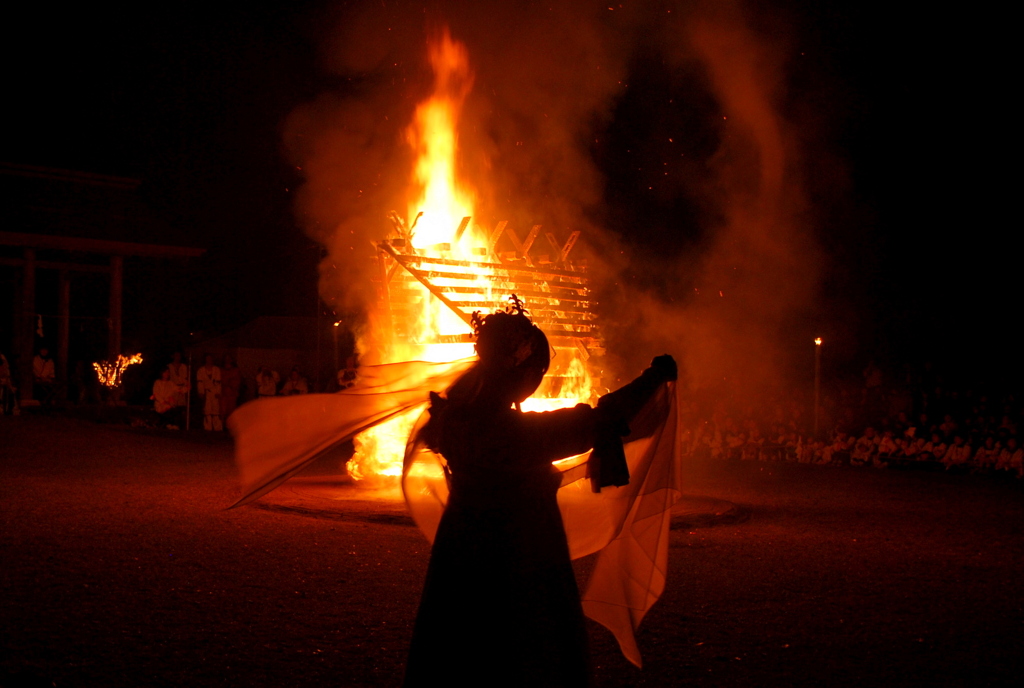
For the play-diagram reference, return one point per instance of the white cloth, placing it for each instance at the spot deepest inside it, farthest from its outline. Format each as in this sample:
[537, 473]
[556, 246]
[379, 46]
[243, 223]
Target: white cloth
[628, 526]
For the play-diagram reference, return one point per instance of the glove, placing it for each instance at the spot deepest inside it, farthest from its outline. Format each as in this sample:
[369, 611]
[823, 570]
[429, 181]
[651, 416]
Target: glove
[665, 366]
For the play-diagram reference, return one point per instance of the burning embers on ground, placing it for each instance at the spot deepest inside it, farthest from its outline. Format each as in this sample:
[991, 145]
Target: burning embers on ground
[441, 264]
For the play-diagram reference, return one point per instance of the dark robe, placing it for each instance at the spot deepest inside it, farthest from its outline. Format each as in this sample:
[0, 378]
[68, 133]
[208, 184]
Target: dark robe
[230, 385]
[500, 605]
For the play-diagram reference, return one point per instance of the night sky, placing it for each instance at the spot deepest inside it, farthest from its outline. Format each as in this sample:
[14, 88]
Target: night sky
[905, 182]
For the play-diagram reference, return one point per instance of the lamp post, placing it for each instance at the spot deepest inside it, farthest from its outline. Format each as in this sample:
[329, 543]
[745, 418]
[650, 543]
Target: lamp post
[817, 382]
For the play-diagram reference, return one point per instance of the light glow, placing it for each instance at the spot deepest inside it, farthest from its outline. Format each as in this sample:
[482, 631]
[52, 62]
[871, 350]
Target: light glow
[109, 372]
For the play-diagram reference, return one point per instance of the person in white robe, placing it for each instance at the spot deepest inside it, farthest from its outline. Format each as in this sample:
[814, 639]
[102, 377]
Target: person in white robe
[165, 399]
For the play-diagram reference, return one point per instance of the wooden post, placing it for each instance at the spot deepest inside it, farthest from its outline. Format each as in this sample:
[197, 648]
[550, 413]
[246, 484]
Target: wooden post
[114, 318]
[63, 330]
[26, 337]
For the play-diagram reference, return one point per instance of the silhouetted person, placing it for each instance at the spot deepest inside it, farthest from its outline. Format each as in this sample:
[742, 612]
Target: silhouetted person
[208, 383]
[180, 377]
[295, 384]
[165, 400]
[7, 391]
[266, 382]
[500, 604]
[230, 386]
[347, 375]
[43, 376]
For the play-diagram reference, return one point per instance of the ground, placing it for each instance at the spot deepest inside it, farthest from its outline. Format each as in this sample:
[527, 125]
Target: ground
[121, 567]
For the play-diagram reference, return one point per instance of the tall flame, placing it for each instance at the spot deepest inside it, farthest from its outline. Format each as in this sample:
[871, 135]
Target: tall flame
[433, 136]
[444, 201]
[440, 204]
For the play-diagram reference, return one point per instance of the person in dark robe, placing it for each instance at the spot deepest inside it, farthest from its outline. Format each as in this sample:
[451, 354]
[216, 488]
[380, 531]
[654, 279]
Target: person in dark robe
[230, 386]
[500, 604]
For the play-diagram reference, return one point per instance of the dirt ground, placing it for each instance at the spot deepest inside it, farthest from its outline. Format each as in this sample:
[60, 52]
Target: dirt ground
[119, 566]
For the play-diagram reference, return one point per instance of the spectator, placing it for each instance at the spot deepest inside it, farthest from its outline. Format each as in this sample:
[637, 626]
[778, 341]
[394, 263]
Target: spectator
[935, 449]
[43, 376]
[295, 384]
[347, 375]
[7, 391]
[266, 382]
[865, 447]
[180, 377]
[165, 400]
[958, 454]
[230, 386]
[208, 383]
[987, 455]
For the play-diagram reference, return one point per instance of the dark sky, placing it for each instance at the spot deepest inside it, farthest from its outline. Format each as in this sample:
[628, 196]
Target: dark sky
[191, 101]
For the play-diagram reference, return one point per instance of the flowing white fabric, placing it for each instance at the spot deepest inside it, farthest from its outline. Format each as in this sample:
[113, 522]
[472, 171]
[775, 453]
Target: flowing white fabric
[276, 437]
[627, 526]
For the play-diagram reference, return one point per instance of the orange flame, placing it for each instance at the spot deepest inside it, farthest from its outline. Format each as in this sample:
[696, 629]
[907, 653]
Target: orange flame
[433, 136]
[441, 203]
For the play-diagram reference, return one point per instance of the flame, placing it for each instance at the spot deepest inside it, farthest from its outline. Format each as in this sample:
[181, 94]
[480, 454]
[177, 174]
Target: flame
[433, 136]
[817, 341]
[110, 372]
[440, 204]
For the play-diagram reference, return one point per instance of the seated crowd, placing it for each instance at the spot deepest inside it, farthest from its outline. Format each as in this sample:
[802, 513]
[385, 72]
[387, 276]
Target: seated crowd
[976, 442]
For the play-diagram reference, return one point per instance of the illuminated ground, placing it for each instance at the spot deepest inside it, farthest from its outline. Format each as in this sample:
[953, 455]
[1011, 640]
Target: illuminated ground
[121, 568]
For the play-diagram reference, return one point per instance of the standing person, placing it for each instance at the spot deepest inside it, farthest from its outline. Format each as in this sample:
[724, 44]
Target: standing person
[295, 384]
[180, 377]
[208, 382]
[44, 376]
[165, 400]
[500, 597]
[266, 382]
[7, 390]
[347, 375]
[230, 386]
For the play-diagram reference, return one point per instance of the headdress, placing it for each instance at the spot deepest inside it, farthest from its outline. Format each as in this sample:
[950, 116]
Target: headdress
[508, 339]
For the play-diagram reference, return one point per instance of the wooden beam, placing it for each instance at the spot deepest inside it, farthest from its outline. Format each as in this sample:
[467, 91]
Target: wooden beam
[430, 287]
[528, 243]
[459, 232]
[580, 275]
[569, 244]
[492, 241]
[56, 265]
[118, 248]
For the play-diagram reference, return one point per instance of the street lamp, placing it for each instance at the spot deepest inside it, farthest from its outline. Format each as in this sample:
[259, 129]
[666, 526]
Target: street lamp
[817, 382]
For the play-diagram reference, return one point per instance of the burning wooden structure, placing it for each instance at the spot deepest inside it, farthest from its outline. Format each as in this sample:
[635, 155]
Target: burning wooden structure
[555, 287]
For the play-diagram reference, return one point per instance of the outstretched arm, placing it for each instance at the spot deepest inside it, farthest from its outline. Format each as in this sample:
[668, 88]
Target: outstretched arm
[607, 465]
[624, 403]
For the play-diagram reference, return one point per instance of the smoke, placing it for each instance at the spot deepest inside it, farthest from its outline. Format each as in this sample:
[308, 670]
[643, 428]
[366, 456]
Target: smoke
[547, 81]
[733, 320]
